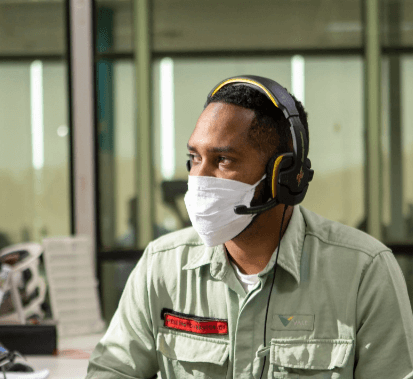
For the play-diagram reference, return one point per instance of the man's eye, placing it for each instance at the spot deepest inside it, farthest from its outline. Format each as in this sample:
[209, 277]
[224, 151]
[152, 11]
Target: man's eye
[224, 160]
[192, 157]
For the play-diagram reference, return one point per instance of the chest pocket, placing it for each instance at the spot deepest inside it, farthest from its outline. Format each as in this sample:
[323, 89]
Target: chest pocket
[317, 358]
[186, 356]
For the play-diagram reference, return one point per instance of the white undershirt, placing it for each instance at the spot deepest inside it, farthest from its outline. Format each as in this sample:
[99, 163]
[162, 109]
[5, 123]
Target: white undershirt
[249, 281]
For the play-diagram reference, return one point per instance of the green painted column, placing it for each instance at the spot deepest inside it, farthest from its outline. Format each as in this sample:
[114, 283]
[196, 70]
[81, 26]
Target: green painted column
[144, 162]
[397, 227]
[374, 181]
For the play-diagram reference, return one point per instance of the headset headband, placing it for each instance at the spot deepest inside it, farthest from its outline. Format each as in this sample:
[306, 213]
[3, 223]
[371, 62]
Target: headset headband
[280, 97]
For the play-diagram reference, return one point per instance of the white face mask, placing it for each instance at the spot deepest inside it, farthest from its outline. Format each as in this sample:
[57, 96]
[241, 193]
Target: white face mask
[210, 204]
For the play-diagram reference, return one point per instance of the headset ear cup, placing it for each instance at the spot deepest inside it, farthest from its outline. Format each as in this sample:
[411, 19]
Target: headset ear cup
[273, 169]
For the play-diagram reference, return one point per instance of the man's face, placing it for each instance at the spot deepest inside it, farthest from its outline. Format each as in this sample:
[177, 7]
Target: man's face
[220, 147]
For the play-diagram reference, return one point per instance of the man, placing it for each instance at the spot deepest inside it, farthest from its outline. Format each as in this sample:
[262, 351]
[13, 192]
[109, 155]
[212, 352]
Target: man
[199, 304]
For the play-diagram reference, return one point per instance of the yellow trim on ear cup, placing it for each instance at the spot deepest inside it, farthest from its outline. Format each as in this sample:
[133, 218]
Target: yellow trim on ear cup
[276, 164]
[241, 80]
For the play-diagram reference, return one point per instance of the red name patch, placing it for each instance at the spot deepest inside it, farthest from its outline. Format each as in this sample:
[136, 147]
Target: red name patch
[194, 326]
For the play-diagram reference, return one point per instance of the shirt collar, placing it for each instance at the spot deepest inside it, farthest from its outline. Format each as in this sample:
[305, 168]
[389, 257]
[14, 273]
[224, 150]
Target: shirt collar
[215, 257]
[289, 259]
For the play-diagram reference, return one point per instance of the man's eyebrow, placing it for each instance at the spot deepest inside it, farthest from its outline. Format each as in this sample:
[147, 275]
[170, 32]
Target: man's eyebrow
[189, 147]
[221, 149]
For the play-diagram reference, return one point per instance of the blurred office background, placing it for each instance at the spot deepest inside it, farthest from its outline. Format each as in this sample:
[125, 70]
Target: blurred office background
[98, 99]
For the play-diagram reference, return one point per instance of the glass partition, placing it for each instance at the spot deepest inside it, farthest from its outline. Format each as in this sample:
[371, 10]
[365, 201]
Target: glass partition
[34, 129]
[116, 100]
[117, 156]
[116, 109]
[407, 146]
[397, 148]
[334, 102]
[125, 154]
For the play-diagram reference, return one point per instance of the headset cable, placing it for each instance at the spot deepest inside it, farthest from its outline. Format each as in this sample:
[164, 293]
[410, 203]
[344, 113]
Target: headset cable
[272, 285]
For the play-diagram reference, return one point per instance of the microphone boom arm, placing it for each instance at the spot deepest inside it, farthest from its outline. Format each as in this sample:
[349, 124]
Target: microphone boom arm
[243, 210]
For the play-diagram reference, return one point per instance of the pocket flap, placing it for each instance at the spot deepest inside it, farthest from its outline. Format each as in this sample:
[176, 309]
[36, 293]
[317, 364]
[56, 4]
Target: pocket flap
[188, 348]
[316, 354]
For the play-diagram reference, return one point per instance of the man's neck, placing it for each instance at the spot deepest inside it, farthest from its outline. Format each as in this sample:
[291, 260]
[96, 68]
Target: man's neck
[252, 249]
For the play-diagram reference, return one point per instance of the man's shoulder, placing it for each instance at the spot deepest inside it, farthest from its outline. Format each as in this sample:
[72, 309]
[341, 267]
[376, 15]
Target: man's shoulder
[335, 233]
[169, 255]
[184, 237]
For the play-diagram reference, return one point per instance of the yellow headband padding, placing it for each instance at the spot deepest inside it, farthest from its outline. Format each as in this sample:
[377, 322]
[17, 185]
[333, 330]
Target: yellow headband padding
[274, 173]
[241, 80]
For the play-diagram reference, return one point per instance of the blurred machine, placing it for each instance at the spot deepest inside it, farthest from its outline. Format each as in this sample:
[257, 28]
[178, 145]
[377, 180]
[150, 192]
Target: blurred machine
[22, 289]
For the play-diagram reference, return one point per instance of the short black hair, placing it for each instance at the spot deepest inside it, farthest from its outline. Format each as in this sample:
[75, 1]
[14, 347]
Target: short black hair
[270, 130]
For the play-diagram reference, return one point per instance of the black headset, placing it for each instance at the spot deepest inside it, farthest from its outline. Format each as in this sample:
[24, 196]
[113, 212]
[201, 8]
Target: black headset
[288, 174]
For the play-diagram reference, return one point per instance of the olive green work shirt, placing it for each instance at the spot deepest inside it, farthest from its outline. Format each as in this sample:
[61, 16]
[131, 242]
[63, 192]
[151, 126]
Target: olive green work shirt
[339, 309]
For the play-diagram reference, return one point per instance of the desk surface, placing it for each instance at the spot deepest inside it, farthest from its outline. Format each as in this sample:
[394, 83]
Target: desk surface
[72, 360]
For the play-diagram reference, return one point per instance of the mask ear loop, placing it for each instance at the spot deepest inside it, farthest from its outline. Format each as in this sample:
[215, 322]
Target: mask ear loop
[272, 285]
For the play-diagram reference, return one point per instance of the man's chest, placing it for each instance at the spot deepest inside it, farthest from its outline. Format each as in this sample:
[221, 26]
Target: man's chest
[309, 329]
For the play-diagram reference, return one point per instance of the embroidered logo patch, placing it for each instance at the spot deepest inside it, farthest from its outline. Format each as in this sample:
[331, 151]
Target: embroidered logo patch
[293, 322]
[285, 320]
[193, 324]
